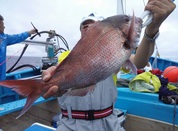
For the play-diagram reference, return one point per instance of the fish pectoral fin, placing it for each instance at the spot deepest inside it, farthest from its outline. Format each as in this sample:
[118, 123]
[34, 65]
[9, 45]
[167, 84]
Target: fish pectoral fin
[130, 65]
[81, 91]
[30, 100]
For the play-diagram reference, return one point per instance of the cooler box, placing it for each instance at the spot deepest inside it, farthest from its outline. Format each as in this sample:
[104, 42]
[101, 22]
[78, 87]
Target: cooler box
[39, 127]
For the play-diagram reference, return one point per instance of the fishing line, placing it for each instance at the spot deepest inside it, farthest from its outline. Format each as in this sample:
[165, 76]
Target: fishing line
[144, 2]
[157, 50]
[7, 59]
[154, 64]
[125, 7]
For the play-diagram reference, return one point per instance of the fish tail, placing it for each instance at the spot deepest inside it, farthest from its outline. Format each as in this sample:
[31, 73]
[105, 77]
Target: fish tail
[32, 89]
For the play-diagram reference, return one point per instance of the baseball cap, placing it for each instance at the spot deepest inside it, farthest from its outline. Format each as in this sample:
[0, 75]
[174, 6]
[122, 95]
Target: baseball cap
[92, 16]
[1, 18]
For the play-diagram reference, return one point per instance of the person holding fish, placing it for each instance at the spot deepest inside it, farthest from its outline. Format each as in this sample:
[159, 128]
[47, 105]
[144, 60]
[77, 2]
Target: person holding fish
[104, 95]
[6, 40]
[84, 79]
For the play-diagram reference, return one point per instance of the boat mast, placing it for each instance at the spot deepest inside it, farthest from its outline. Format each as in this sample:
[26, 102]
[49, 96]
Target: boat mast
[120, 9]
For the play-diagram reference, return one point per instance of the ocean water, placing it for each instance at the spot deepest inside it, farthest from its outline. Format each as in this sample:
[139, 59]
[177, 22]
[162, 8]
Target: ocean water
[35, 61]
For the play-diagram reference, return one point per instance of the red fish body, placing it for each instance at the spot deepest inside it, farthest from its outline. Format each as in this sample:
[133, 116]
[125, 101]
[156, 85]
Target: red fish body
[105, 47]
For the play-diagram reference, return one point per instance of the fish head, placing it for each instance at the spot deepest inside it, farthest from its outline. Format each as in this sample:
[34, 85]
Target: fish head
[130, 26]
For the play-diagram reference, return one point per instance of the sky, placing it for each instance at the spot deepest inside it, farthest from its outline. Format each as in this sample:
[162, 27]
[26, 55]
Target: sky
[64, 16]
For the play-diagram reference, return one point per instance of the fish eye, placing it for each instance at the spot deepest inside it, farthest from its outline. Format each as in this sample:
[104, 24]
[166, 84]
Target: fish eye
[126, 19]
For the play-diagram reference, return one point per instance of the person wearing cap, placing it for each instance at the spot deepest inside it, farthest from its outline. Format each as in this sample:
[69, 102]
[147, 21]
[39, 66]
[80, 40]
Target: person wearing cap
[74, 108]
[6, 40]
[101, 100]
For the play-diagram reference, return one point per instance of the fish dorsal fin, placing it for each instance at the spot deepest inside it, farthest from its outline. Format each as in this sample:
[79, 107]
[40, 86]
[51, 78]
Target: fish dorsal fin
[130, 42]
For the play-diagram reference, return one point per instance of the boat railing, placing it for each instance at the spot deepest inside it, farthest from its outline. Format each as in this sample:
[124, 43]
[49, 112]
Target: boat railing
[161, 63]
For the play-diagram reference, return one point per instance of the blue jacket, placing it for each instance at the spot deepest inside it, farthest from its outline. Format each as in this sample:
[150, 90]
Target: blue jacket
[6, 40]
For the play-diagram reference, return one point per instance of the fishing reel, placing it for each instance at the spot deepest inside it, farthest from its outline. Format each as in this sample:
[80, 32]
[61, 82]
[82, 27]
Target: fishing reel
[52, 47]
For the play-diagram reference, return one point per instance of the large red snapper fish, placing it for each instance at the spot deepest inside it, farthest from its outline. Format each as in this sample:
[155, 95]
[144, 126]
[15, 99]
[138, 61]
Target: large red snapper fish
[104, 48]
